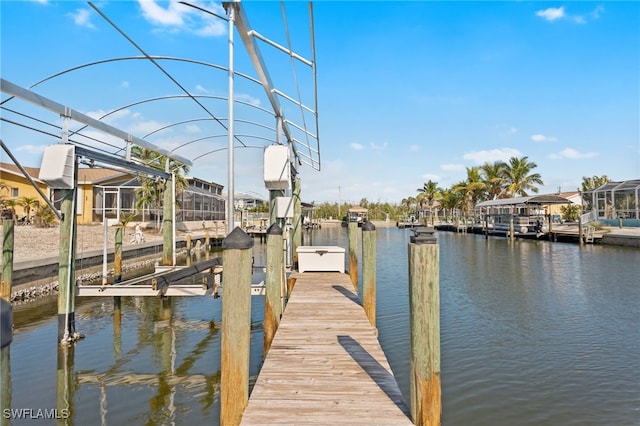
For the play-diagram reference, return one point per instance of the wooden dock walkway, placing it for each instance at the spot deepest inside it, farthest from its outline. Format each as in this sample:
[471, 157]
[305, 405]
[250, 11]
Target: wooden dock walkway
[325, 365]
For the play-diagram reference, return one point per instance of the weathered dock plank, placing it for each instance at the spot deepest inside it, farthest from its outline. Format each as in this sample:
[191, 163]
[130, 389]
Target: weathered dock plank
[325, 365]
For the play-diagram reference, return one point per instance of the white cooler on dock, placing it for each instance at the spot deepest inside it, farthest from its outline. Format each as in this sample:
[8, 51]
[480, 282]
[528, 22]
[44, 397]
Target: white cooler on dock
[320, 259]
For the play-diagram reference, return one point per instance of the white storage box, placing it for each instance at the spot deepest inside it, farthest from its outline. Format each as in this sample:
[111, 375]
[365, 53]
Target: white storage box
[320, 259]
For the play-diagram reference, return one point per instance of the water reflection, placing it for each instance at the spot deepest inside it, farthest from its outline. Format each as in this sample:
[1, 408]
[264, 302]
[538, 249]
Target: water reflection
[532, 333]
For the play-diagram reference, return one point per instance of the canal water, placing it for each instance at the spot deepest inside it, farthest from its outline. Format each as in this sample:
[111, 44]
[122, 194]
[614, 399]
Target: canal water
[532, 333]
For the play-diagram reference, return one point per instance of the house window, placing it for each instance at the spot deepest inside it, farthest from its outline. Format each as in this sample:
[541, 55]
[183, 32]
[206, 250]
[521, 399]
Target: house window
[14, 192]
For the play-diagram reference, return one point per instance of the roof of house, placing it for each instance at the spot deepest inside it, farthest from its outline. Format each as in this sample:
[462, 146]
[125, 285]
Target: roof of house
[97, 175]
[12, 168]
[531, 200]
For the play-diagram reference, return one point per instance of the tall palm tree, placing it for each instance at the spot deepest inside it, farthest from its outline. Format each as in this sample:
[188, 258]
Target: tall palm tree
[518, 177]
[430, 192]
[492, 176]
[151, 192]
[450, 199]
[593, 182]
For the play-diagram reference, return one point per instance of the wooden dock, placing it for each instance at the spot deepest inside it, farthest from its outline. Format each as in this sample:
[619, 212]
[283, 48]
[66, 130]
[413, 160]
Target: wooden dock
[325, 365]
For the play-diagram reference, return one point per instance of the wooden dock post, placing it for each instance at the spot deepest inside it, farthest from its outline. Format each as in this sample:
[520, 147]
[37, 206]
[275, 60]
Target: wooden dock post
[353, 253]
[511, 229]
[117, 256]
[424, 315]
[297, 221]
[273, 284]
[580, 230]
[7, 254]
[207, 241]
[236, 326]
[167, 224]
[187, 244]
[369, 271]
[66, 269]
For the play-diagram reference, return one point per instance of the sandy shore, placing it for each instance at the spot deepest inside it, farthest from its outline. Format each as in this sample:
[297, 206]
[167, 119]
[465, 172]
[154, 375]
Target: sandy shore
[35, 243]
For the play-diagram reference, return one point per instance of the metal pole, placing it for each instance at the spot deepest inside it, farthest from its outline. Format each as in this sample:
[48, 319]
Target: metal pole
[424, 320]
[230, 185]
[167, 225]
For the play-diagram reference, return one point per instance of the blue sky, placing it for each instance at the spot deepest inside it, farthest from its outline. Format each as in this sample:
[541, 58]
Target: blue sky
[407, 91]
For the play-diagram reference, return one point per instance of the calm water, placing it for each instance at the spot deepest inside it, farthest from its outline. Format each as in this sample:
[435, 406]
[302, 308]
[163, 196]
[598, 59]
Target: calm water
[532, 334]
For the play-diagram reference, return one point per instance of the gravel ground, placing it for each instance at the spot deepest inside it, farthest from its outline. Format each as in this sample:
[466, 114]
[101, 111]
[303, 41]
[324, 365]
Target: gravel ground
[35, 243]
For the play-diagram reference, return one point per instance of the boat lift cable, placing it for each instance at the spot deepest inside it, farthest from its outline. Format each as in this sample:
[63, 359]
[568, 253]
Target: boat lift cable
[293, 68]
[165, 72]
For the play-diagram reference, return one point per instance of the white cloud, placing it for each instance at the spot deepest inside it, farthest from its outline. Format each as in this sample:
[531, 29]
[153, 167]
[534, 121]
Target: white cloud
[542, 138]
[432, 177]
[158, 15]
[124, 84]
[552, 13]
[32, 149]
[200, 88]
[452, 167]
[597, 11]
[247, 98]
[81, 17]
[414, 148]
[491, 155]
[179, 17]
[572, 154]
[378, 147]
[356, 146]
[192, 128]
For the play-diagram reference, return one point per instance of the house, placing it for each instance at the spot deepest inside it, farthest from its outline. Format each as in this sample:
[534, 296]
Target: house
[108, 193]
[15, 186]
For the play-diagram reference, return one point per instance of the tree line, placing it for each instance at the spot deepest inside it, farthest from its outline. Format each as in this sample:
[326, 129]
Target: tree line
[500, 179]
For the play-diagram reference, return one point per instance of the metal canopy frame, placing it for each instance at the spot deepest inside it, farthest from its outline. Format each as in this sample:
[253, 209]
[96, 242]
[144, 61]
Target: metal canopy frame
[115, 144]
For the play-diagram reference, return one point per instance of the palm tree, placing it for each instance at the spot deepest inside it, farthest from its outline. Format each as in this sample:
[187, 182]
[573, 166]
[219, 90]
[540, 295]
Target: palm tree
[27, 204]
[593, 182]
[450, 199]
[151, 192]
[492, 176]
[518, 178]
[430, 192]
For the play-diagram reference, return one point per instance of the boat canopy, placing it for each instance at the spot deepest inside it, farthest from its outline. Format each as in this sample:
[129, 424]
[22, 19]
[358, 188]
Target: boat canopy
[536, 200]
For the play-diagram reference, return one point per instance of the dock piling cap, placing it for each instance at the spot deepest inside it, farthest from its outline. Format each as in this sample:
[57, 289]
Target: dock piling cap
[6, 323]
[368, 226]
[424, 235]
[274, 229]
[237, 240]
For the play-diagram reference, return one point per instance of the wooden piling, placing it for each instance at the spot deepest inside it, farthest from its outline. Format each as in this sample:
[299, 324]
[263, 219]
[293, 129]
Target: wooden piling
[236, 326]
[167, 224]
[66, 270]
[369, 271]
[297, 221]
[580, 230]
[353, 253]
[511, 229]
[424, 316]
[7, 254]
[273, 284]
[117, 255]
[207, 241]
[188, 244]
